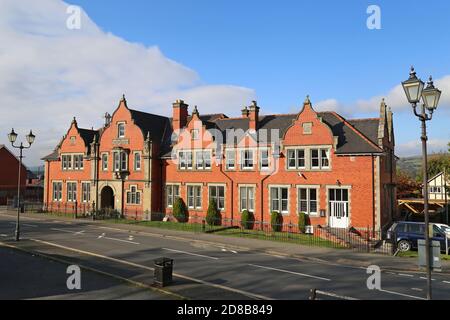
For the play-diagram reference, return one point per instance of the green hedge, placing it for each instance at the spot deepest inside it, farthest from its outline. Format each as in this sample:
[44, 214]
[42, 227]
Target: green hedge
[303, 221]
[247, 220]
[180, 211]
[276, 221]
[213, 216]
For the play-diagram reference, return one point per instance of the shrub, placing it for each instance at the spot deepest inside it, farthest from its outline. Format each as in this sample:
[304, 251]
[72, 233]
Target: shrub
[179, 211]
[303, 221]
[213, 216]
[247, 220]
[276, 220]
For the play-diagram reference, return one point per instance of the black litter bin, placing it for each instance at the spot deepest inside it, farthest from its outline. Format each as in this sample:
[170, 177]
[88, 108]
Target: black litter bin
[163, 271]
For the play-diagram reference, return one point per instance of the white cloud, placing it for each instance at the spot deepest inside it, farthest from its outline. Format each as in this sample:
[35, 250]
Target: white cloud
[414, 147]
[48, 74]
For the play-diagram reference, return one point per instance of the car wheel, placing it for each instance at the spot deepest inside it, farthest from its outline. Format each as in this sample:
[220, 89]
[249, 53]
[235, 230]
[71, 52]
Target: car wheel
[403, 245]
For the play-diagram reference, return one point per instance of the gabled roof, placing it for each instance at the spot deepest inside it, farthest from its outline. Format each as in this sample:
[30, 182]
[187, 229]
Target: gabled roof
[157, 126]
[52, 156]
[368, 127]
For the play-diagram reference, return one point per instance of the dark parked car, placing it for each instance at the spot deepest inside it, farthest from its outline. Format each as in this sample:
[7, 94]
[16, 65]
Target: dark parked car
[405, 234]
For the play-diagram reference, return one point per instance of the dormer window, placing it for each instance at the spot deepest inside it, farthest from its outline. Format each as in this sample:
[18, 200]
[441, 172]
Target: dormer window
[121, 130]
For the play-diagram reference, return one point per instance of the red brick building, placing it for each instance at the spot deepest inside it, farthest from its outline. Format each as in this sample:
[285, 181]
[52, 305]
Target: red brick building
[9, 170]
[341, 172]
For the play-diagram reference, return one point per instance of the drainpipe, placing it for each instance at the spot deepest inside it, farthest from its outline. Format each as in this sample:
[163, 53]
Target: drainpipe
[232, 188]
[96, 175]
[262, 187]
[48, 182]
[373, 191]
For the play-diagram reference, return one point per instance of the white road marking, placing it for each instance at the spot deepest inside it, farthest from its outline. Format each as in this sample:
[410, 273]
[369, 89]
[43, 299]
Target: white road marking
[291, 272]
[63, 230]
[448, 282]
[405, 275]
[121, 240]
[3, 235]
[233, 251]
[424, 278]
[224, 250]
[416, 289]
[190, 253]
[402, 294]
[246, 293]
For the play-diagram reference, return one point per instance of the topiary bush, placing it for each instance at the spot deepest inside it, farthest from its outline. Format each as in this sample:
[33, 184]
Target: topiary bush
[303, 221]
[276, 221]
[213, 216]
[247, 220]
[180, 211]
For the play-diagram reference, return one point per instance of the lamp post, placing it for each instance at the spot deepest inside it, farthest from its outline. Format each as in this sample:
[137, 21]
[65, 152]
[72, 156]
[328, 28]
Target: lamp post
[30, 139]
[414, 90]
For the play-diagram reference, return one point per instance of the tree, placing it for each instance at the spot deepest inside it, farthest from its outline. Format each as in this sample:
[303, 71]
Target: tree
[213, 216]
[180, 211]
[436, 164]
[407, 187]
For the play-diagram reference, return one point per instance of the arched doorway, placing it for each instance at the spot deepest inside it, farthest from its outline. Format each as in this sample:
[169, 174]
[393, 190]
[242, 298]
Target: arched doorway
[107, 198]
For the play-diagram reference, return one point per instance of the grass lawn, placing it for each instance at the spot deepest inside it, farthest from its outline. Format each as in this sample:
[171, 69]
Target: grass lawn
[303, 239]
[415, 254]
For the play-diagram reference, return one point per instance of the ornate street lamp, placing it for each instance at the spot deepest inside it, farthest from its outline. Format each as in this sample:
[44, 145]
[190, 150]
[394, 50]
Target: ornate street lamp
[430, 97]
[12, 137]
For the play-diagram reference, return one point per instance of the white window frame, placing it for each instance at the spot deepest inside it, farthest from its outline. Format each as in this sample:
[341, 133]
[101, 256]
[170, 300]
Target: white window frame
[228, 158]
[133, 196]
[173, 196]
[57, 192]
[119, 126]
[196, 196]
[71, 191]
[245, 158]
[217, 197]
[85, 192]
[105, 161]
[195, 134]
[261, 151]
[296, 159]
[137, 161]
[320, 158]
[279, 199]
[244, 193]
[308, 200]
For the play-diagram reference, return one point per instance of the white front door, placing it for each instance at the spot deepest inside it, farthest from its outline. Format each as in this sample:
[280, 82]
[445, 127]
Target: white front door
[338, 208]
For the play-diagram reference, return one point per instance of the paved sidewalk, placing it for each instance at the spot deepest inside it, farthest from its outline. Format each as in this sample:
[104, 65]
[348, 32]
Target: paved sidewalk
[318, 254]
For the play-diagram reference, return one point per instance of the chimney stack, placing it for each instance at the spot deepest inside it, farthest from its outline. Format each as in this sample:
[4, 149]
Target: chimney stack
[180, 115]
[253, 112]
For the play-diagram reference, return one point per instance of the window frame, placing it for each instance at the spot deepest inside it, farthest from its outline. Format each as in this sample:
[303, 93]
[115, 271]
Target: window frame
[119, 126]
[279, 199]
[137, 159]
[57, 192]
[85, 192]
[227, 159]
[172, 194]
[133, 196]
[249, 200]
[244, 159]
[71, 192]
[217, 197]
[308, 200]
[196, 196]
[105, 168]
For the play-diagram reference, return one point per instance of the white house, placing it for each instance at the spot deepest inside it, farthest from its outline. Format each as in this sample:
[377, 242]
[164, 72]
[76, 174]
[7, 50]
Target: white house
[436, 187]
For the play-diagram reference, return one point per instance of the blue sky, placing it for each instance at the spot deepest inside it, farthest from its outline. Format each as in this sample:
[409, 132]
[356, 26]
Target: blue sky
[219, 55]
[286, 49]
